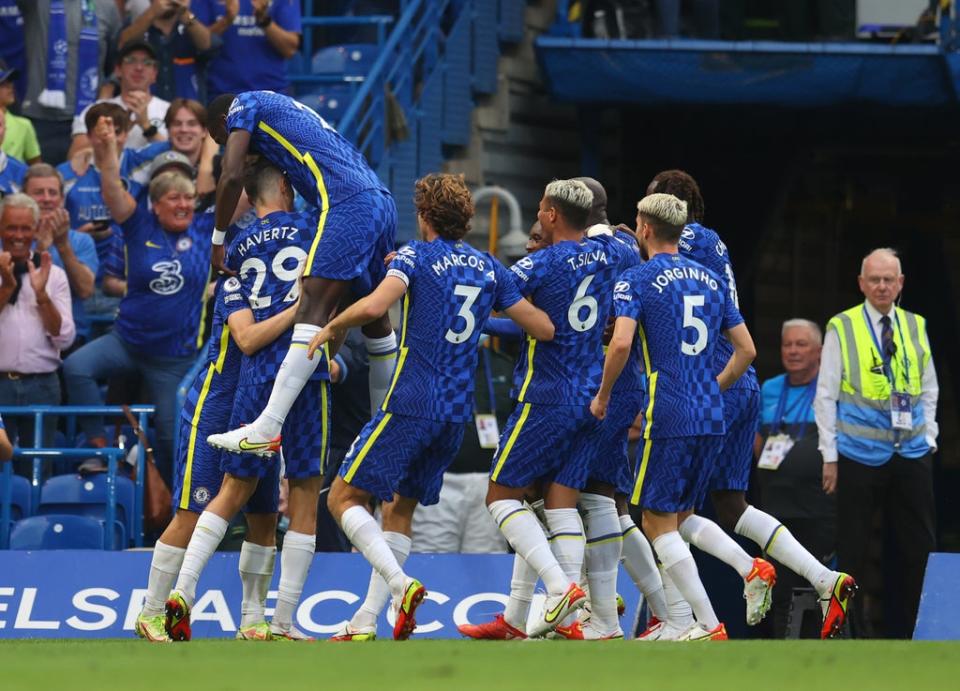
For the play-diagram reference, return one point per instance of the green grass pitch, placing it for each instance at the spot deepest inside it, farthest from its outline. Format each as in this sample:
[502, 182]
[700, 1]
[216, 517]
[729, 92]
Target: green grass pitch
[460, 665]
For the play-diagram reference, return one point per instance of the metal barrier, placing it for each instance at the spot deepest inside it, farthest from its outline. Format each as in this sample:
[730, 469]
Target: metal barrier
[39, 454]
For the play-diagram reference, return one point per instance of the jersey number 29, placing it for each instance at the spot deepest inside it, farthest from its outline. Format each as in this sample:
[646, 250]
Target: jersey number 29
[282, 273]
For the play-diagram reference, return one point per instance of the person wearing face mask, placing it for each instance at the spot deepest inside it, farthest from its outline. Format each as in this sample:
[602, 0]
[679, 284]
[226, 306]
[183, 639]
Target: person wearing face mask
[875, 408]
[159, 326]
[35, 317]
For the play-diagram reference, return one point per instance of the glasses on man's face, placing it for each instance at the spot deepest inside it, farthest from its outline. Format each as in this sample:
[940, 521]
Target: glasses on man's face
[144, 62]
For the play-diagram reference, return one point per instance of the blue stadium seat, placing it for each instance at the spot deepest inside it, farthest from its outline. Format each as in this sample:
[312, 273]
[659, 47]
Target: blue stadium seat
[87, 496]
[330, 100]
[350, 60]
[57, 532]
[19, 497]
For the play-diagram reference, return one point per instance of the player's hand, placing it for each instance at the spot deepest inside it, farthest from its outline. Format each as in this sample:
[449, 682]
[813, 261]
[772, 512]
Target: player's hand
[626, 229]
[218, 260]
[7, 277]
[325, 335]
[389, 258]
[829, 478]
[598, 407]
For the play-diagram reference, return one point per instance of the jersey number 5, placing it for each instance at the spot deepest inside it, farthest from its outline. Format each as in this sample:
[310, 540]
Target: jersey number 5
[692, 322]
[470, 295]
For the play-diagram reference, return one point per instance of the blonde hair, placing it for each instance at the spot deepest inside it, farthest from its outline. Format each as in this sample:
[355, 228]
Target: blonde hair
[170, 181]
[664, 208]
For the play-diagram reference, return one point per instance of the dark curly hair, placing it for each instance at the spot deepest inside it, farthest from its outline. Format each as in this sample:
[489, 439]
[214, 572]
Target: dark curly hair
[445, 203]
[680, 184]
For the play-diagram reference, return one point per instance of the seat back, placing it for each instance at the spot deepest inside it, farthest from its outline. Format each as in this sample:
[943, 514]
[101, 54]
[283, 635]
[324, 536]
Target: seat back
[19, 497]
[350, 60]
[57, 531]
[87, 496]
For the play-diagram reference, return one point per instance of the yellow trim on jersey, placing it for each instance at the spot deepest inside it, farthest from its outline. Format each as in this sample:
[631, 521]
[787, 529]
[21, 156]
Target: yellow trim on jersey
[307, 160]
[203, 310]
[531, 346]
[646, 353]
[402, 356]
[366, 448]
[644, 459]
[324, 424]
[513, 438]
[638, 485]
[212, 368]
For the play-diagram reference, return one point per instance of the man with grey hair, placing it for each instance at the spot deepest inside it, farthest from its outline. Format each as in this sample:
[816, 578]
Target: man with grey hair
[551, 435]
[36, 322]
[875, 407]
[789, 473]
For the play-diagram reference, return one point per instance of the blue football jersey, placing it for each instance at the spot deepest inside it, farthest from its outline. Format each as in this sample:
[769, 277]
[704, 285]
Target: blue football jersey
[627, 253]
[572, 283]
[268, 255]
[167, 275]
[213, 388]
[705, 247]
[681, 308]
[12, 171]
[451, 290]
[83, 199]
[323, 166]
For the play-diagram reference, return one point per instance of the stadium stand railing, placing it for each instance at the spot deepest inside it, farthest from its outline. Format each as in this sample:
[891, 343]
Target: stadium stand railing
[418, 94]
[85, 495]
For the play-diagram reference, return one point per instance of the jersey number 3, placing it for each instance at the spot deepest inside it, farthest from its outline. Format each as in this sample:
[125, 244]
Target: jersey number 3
[470, 295]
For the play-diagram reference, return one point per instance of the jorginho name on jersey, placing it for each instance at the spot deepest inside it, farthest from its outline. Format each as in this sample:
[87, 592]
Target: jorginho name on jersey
[323, 166]
[268, 255]
[705, 247]
[681, 308]
[451, 290]
[571, 282]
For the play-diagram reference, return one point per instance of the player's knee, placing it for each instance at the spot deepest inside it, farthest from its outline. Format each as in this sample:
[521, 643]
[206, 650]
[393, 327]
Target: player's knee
[729, 506]
[262, 529]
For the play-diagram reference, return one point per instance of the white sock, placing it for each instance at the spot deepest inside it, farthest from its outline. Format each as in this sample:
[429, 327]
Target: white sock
[256, 570]
[203, 543]
[362, 530]
[567, 541]
[712, 539]
[678, 562]
[377, 591]
[775, 540]
[296, 557]
[642, 566]
[294, 373]
[525, 535]
[382, 355]
[602, 558]
[679, 613]
[522, 584]
[164, 567]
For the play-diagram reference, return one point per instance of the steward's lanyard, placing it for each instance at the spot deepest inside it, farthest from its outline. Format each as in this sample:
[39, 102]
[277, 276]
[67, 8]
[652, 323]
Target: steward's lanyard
[800, 405]
[887, 368]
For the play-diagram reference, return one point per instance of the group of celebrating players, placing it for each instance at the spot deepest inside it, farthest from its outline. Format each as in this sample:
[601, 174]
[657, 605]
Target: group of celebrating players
[678, 355]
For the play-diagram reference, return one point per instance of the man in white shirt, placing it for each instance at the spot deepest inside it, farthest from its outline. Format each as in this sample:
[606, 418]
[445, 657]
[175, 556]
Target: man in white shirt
[875, 408]
[137, 70]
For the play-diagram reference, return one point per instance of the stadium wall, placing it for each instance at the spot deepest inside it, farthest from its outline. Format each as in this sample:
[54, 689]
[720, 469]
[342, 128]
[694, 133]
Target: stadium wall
[81, 594]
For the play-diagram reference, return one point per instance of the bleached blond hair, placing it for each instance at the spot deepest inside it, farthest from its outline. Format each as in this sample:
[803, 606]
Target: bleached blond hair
[664, 208]
[572, 192]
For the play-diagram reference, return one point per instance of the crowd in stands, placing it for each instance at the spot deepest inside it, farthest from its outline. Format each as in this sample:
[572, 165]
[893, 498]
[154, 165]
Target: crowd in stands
[98, 231]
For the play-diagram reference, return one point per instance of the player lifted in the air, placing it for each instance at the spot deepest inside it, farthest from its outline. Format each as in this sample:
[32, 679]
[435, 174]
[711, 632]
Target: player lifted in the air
[679, 310]
[355, 230]
[731, 473]
[550, 435]
[448, 290]
[268, 254]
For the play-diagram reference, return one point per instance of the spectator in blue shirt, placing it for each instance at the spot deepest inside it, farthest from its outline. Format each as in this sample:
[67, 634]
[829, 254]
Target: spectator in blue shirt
[159, 326]
[11, 169]
[259, 36]
[180, 38]
[72, 250]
